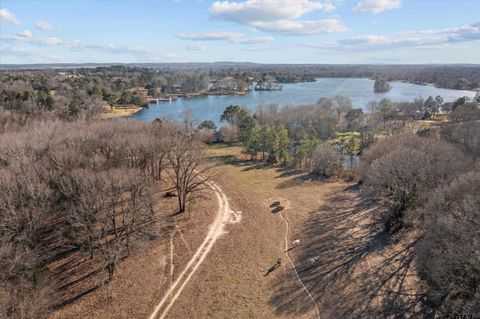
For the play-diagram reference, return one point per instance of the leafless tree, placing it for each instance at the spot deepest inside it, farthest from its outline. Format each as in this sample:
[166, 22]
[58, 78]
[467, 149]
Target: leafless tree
[466, 134]
[187, 168]
[448, 253]
[326, 160]
[89, 185]
[399, 171]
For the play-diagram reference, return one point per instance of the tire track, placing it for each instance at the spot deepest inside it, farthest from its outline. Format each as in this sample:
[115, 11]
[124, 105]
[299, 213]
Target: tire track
[224, 216]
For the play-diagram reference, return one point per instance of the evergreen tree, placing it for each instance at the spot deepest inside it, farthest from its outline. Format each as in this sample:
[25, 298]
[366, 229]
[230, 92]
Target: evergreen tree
[381, 85]
[272, 144]
[253, 141]
[349, 143]
[264, 139]
[283, 143]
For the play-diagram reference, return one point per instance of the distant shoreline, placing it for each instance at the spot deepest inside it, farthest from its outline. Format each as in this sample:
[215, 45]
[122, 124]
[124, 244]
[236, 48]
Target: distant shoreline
[246, 92]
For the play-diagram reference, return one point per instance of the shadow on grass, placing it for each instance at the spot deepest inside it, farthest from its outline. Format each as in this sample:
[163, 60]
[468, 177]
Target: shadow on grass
[247, 164]
[74, 274]
[362, 272]
[298, 176]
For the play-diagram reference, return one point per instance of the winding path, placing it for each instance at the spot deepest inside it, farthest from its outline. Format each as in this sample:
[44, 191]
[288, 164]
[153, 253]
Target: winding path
[224, 216]
[287, 226]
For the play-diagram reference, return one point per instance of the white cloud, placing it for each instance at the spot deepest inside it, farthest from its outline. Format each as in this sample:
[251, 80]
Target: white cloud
[278, 16]
[263, 47]
[422, 39]
[25, 34]
[253, 11]
[377, 43]
[256, 40]
[291, 27]
[77, 45]
[110, 48]
[26, 53]
[50, 41]
[211, 36]
[232, 37]
[377, 6]
[194, 47]
[44, 25]
[135, 52]
[15, 51]
[469, 32]
[9, 17]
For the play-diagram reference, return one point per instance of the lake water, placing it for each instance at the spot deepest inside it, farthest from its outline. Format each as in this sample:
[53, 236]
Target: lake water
[360, 91]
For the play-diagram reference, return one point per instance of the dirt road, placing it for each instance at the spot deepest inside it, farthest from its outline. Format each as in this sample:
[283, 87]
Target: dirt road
[224, 216]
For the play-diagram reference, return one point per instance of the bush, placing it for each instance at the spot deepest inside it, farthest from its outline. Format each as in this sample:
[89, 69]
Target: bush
[399, 172]
[466, 134]
[326, 161]
[206, 136]
[228, 134]
[449, 255]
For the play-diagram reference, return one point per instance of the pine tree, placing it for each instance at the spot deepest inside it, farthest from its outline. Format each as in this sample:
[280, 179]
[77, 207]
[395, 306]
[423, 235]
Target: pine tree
[283, 143]
[253, 141]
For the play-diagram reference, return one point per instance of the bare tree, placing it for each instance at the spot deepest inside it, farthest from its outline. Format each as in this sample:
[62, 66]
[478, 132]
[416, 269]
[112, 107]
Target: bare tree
[81, 185]
[448, 253]
[466, 134]
[186, 159]
[326, 160]
[400, 170]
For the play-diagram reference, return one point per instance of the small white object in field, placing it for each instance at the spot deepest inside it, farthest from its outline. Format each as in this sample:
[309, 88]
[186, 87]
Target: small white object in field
[313, 261]
[296, 242]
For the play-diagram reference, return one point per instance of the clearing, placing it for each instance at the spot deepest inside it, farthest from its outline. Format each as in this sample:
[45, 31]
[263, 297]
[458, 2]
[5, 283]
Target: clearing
[220, 263]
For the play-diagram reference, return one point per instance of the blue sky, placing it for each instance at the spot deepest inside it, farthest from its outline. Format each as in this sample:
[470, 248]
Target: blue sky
[264, 31]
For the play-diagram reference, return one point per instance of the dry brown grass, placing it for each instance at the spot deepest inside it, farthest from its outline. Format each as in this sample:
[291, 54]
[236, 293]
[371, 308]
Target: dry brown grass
[362, 272]
[232, 283]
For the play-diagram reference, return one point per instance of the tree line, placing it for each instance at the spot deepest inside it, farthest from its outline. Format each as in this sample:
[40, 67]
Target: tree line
[294, 136]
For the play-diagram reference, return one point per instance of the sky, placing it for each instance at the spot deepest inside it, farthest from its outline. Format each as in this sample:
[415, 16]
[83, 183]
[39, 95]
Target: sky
[262, 31]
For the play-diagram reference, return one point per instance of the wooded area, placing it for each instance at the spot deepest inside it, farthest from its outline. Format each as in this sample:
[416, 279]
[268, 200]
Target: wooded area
[83, 190]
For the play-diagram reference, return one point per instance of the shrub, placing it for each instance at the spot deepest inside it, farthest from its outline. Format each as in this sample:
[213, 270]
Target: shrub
[449, 258]
[326, 161]
[399, 172]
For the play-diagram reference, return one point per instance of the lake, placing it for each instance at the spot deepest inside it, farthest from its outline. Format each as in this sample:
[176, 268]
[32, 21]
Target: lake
[360, 91]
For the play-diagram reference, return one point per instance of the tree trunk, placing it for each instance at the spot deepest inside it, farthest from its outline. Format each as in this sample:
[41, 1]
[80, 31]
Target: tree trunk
[181, 205]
